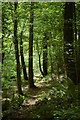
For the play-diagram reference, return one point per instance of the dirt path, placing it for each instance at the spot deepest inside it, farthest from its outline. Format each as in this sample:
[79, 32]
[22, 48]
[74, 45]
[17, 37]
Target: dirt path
[33, 96]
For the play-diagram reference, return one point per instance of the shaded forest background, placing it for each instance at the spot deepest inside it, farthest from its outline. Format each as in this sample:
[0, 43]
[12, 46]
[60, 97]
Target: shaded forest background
[41, 60]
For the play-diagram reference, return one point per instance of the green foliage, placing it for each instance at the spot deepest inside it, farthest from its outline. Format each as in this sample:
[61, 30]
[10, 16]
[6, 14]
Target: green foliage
[6, 104]
[57, 98]
[17, 101]
[59, 102]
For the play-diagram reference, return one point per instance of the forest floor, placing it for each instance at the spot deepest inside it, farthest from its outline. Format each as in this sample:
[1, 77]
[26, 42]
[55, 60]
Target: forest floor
[50, 100]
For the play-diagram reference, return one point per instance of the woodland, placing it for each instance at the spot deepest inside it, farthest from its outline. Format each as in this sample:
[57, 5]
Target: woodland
[41, 60]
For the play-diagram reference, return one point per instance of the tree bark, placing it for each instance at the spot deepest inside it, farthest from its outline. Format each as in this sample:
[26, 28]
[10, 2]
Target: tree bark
[17, 51]
[78, 56]
[40, 65]
[45, 55]
[39, 54]
[78, 52]
[76, 43]
[22, 58]
[3, 53]
[68, 41]
[31, 82]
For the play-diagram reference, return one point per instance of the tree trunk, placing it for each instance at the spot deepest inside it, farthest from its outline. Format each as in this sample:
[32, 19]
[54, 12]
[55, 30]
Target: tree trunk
[40, 65]
[3, 53]
[31, 82]
[17, 51]
[45, 55]
[78, 53]
[22, 58]
[75, 37]
[51, 60]
[68, 41]
[39, 54]
[78, 56]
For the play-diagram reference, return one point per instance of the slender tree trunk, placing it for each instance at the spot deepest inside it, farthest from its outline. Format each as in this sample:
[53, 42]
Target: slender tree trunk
[40, 65]
[68, 41]
[22, 58]
[51, 60]
[31, 82]
[75, 37]
[17, 51]
[45, 55]
[78, 56]
[75, 27]
[3, 53]
[39, 54]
